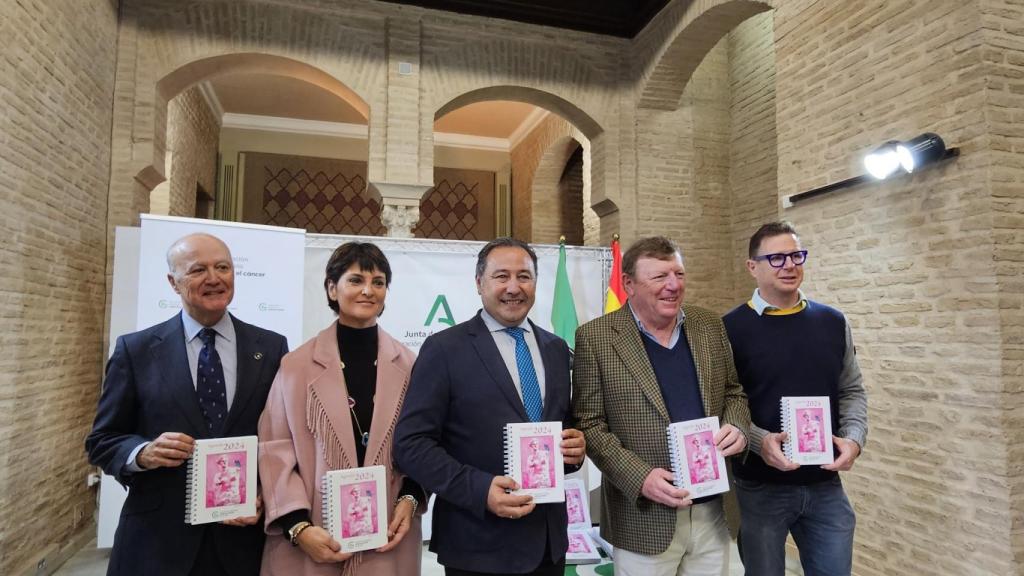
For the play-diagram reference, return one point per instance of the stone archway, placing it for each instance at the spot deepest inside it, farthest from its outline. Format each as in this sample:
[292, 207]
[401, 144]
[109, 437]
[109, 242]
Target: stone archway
[703, 25]
[552, 76]
[568, 120]
[196, 71]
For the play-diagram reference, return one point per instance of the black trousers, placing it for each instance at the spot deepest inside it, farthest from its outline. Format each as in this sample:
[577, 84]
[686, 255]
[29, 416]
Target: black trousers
[207, 559]
[546, 568]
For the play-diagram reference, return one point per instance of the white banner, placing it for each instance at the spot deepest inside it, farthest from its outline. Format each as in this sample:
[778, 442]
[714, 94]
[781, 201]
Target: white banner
[433, 284]
[268, 272]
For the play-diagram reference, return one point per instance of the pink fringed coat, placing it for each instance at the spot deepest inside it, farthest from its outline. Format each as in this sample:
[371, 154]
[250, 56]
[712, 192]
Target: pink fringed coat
[306, 430]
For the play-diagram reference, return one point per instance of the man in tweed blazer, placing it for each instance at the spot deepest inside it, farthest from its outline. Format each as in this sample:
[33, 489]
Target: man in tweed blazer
[638, 369]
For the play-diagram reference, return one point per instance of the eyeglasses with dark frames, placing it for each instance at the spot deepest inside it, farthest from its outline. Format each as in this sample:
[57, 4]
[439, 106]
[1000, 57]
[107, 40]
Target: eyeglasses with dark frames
[778, 260]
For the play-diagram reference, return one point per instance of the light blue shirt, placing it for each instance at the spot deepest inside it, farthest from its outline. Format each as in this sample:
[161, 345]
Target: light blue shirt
[760, 304]
[507, 348]
[675, 331]
[227, 348]
[226, 345]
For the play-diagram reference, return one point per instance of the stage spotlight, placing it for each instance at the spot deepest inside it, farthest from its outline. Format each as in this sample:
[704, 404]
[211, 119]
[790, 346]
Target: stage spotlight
[924, 149]
[883, 161]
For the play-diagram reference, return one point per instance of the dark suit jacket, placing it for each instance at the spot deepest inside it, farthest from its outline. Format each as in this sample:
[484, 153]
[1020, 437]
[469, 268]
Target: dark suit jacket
[148, 390]
[449, 438]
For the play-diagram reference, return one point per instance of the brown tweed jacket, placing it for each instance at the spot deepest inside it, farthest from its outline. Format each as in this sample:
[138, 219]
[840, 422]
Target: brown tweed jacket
[617, 403]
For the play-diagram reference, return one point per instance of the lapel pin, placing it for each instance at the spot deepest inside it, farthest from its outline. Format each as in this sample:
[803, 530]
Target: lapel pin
[258, 355]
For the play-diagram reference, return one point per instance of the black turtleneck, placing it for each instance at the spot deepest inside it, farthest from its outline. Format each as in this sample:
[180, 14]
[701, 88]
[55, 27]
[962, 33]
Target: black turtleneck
[358, 350]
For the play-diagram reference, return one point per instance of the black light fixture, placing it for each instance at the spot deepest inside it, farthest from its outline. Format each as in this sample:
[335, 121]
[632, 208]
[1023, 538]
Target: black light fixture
[890, 158]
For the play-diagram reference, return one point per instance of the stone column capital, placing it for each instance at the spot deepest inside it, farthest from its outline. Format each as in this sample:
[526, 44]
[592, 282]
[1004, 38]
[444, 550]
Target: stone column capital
[401, 206]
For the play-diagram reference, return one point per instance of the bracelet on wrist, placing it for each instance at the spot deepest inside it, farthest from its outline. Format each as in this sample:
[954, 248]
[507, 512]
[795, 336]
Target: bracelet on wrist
[410, 498]
[294, 531]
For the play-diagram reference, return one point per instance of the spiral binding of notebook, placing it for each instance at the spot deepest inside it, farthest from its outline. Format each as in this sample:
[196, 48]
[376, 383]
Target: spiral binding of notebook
[327, 506]
[787, 427]
[192, 499]
[510, 460]
[677, 457]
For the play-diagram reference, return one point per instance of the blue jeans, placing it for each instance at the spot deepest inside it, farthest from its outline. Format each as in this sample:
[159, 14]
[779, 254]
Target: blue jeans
[819, 516]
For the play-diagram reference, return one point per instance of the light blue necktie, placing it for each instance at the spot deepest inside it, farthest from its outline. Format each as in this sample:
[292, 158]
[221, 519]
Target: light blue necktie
[527, 375]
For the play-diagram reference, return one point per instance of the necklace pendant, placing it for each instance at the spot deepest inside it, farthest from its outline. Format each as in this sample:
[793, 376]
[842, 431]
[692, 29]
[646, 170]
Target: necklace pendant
[366, 438]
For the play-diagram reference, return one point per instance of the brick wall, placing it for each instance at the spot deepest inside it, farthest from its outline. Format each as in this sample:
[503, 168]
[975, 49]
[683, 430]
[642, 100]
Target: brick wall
[548, 195]
[570, 196]
[911, 263]
[538, 162]
[58, 70]
[683, 179]
[753, 159]
[1003, 53]
[193, 134]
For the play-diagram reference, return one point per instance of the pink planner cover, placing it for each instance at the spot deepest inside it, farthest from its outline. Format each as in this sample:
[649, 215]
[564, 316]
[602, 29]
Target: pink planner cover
[534, 460]
[221, 480]
[808, 422]
[355, 507]
[698, 465]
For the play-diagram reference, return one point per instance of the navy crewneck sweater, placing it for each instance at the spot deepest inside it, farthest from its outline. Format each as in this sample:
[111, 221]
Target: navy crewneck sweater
[677, 378]
[799, 354]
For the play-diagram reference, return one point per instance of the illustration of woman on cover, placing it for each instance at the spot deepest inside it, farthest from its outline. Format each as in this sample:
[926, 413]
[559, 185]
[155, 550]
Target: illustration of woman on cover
[226, 484]
[574, 506]
[332, 406]
[810, 433]
[359, 515]
[538, 464]
[578, 544]
[700, 462]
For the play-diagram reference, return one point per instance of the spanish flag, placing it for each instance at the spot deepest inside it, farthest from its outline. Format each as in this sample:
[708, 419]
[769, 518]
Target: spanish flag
[616, 295]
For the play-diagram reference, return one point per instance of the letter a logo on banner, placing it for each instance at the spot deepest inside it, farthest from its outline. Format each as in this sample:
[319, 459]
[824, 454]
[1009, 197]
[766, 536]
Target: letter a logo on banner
[441, 302]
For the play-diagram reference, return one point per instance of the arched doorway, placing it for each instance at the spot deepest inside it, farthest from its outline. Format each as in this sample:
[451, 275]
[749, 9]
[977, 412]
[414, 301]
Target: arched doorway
[532, 209]
[288, 142]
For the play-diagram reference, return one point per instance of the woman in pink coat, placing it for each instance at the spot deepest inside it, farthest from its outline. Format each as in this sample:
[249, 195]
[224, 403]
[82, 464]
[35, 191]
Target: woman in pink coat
[333, 405]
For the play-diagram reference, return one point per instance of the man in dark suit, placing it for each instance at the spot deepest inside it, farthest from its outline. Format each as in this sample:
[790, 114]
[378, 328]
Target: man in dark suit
[468, 382]
[151, 410]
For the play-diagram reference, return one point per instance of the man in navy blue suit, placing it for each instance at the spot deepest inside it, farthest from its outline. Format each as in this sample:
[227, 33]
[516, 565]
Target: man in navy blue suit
[468, 382]
[201, 374]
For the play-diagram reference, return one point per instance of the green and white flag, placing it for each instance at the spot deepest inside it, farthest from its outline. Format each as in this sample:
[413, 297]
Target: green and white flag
[563, 309]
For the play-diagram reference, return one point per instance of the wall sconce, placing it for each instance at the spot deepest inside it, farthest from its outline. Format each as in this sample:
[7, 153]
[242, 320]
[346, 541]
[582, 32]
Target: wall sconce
[888, 159]
[920, 151]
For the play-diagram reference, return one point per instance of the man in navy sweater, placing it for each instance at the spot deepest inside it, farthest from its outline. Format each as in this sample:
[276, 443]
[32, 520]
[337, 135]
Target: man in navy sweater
[786, 345]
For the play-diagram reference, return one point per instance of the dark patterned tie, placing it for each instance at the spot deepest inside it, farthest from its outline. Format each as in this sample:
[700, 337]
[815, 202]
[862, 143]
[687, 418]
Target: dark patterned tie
[210, 384]
[527, 375]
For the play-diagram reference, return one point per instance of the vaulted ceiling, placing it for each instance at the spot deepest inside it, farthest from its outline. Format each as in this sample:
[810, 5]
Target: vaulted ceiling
[623, 18]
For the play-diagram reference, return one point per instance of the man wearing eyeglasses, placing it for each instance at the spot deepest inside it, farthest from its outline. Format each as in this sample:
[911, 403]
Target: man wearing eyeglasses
[786, 345]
